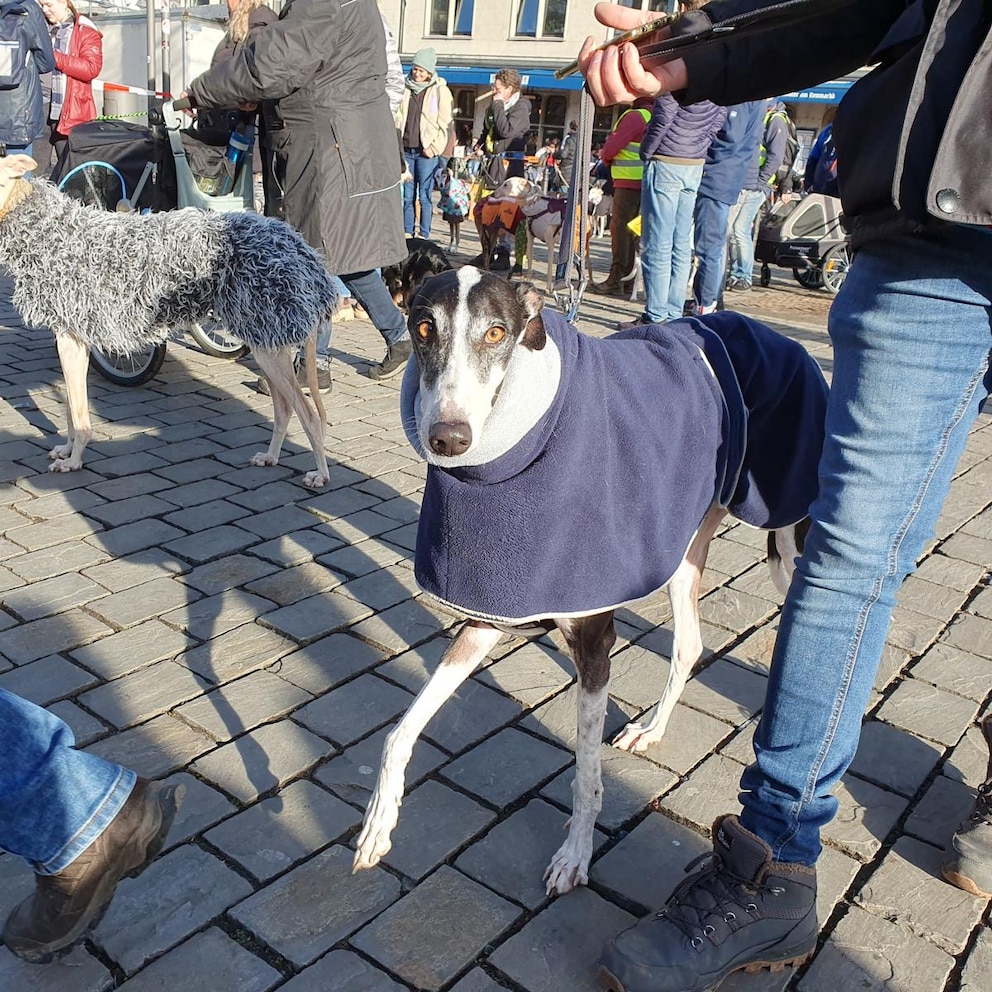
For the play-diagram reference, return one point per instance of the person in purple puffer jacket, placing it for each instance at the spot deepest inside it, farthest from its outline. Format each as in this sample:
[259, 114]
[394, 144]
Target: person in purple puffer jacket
[673, 151]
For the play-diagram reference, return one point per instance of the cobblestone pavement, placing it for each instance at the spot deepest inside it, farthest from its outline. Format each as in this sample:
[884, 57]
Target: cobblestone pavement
[222, 626]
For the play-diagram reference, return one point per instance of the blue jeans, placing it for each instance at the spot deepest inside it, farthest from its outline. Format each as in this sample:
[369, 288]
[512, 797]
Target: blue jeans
[742, 234]
[911, 336]
[422, 169]
[54, 800]
[668, 195]
[370, 291]
[710, 242]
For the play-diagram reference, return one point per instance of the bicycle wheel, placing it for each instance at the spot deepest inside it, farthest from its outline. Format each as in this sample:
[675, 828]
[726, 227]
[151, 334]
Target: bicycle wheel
[128, 370]
[215, 339]
[836, 263]
[95, 184]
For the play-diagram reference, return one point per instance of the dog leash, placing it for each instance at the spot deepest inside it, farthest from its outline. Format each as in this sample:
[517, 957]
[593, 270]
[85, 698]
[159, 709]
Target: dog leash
[569, 270]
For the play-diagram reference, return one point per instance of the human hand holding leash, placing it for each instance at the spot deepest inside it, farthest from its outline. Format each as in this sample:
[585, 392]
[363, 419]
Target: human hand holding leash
[614, 74]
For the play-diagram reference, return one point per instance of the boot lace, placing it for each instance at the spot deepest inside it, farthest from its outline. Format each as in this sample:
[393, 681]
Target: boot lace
[983, 804]
[708, 895]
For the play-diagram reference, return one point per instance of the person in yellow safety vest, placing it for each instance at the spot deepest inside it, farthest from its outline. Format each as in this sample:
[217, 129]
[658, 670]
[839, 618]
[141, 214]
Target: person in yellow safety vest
[622, 154]
[778, 146]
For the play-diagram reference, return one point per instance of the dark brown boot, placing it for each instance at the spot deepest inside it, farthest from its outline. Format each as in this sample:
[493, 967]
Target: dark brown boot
[65, 906]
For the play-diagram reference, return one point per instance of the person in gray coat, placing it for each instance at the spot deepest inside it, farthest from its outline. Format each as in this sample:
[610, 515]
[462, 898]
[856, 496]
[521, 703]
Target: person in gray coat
[325, 62]
[22, 116]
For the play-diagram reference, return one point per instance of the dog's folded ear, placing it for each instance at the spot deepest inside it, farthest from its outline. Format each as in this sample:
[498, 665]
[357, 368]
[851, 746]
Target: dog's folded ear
[531, 302]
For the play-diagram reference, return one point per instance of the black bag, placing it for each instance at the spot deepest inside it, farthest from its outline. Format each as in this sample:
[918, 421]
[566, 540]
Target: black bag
[127, 147]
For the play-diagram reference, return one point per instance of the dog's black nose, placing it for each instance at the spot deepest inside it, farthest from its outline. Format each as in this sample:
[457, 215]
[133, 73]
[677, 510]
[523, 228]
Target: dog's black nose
[450, 439]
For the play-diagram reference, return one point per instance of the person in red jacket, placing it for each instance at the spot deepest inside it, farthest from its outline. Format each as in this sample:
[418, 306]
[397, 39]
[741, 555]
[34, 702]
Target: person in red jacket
[78, 47]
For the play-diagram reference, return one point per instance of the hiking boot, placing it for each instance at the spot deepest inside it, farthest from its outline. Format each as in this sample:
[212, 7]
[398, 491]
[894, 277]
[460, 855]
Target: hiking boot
[65, 906]
[742, 910]
[606, 289]
[394, 361]
[968, 864]
[628, 325]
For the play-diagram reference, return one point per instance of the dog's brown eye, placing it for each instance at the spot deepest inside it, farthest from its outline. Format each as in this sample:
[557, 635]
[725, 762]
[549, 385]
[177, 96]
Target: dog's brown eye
[495, 334]
[424, 330]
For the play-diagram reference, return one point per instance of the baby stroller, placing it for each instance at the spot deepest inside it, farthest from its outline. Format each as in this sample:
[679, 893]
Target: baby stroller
[117, 165]
[806, 235]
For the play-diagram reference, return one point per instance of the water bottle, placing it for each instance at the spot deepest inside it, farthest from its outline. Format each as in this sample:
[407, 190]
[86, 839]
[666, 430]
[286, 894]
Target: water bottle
[237, 145]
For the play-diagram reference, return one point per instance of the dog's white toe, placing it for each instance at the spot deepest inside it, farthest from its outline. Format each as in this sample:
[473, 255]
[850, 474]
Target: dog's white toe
[63, 465]
[634, 738]
[566, 871]
[60, 451]
[315, 480]
[262, 459]
[373, 842]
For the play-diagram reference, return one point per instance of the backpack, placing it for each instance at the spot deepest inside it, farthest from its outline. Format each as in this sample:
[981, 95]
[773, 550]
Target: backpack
[791, 146]
[14, 51]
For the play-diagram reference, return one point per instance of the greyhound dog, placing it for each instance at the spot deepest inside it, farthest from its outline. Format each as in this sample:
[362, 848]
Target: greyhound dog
[545, 215]
[569, 475]
[120, 281]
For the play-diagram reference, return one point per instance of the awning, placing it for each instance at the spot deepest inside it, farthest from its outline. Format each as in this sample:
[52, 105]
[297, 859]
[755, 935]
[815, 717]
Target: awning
[825, 93]
[533, 79]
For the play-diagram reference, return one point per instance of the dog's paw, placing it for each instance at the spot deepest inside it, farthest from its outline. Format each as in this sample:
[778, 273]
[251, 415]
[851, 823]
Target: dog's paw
[567, 870]
[63, 465]
[373, 842]
[262, 459]
[316, 480]
[635, 737]
[60, 451]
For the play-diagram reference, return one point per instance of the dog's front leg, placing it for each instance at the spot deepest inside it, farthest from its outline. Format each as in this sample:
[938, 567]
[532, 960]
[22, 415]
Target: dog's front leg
[590, 640]
[683, 591]
[468, 649]
[74, 357]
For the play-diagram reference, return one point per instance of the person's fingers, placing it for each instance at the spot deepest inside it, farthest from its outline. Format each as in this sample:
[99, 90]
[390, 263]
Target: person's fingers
[613, 15]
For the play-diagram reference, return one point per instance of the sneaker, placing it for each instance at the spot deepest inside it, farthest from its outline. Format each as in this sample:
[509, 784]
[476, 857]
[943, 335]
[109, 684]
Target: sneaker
[500, 260]
[741, 910]
[65, 906]
[395, 359]
[968, 864]
[739, 285]
[626, 325]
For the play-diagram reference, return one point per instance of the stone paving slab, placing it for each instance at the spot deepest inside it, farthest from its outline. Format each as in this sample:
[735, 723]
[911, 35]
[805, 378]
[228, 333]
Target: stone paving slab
[231, 630]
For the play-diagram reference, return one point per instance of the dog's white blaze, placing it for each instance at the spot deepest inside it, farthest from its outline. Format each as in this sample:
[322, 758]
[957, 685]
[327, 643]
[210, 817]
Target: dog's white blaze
[459, 394]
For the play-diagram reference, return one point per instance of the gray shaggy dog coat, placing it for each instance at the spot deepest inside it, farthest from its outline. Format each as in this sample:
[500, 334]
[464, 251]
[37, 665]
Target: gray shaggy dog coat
[121, 282]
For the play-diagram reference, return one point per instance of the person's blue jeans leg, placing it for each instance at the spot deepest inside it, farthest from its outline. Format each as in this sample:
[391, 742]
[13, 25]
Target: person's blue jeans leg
[682, 239]
[742, 235]
[54, 800]
[659, 204]
[710, 239]
[911, 337]
[423, 170]
[370, 291]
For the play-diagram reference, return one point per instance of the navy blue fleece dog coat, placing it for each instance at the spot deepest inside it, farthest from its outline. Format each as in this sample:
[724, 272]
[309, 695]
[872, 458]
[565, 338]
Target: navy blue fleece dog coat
[597, 504]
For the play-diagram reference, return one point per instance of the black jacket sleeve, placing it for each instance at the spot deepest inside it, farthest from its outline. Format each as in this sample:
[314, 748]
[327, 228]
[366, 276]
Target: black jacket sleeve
[781, 59]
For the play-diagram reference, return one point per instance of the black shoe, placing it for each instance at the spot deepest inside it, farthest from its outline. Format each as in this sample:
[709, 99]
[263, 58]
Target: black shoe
[626, 325]
[395, 359]
[606, 289]
[741, 911]
[500, 260]
[479, 261]
[65, 906]
[517, 270]
[969, 861]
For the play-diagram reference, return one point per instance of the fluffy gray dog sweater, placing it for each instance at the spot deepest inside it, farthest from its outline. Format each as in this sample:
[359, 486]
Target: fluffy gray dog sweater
[121, 281]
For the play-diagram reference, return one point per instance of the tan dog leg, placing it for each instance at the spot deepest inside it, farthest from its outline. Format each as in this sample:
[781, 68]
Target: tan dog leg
[287, 396]
[74, 357]
[468, 649]
[683, 590]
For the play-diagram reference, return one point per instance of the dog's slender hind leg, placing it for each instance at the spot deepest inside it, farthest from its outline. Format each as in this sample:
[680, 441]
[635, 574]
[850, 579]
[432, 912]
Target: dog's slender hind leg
[590, 640]
[467, 650]
[683, 591]
[74, 357]
[785, 545]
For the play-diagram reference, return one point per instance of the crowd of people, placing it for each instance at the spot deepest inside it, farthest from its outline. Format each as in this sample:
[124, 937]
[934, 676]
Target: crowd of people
[700, 149]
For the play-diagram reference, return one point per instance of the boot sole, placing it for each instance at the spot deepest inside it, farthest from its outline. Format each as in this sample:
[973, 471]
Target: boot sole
[965, 883]
[611, 983]
[156, 823]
